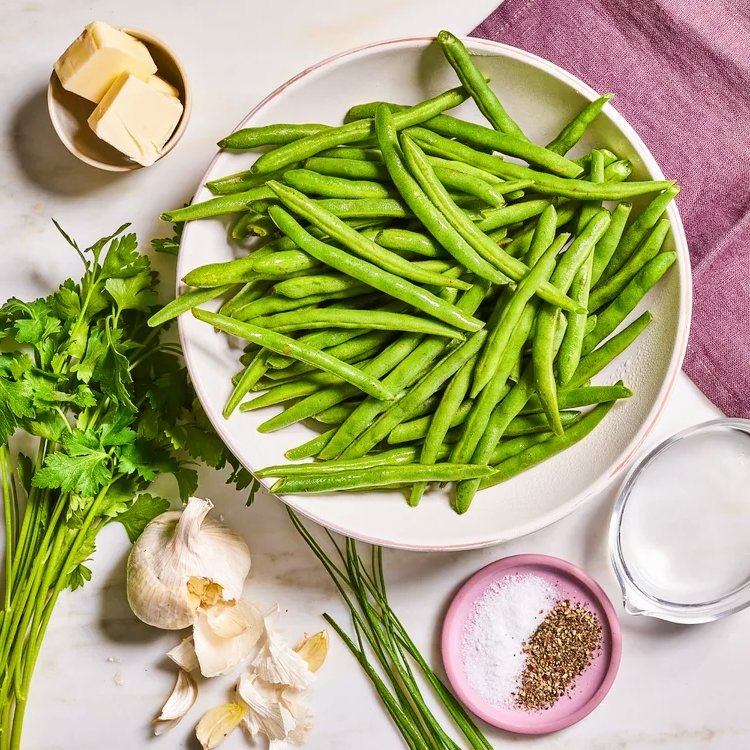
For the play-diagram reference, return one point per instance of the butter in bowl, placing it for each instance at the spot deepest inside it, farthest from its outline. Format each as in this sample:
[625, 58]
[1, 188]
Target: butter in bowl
[118, 98]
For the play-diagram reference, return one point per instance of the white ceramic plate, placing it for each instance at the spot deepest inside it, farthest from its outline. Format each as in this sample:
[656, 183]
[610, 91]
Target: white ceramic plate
[541, 97]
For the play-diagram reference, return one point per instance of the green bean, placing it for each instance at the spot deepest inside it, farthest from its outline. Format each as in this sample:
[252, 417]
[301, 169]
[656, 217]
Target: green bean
[393, 457]
[612, 315]
[417, 428]
[500, 335]
[544, 183]
[406, 241]
[593, 394]
[609, 157]
[269, 135]
[649, 248]
[318, 339]
[501, 417]
[519, 245]
[249, 293]
[457, 179]
[432, 219]
[404, 407]
[249, 377]
[311, 447]
[240, 182]
[278, 394]
[271, 304]
[479, 241]
[323, 283]
[637, 231]
[533, 424]
[355, 131]
[403, 375]
[353, 241]
[440, 422]
[479, 137]
[284, 345]
[570, 349]
[224, 204]
[474, 81]
[186, 301]
[375, 276]
[518, 212]
[350, 208]
[535, 454]
[353, 152]
[334, 415]
[542, 346]
[327, 397]
[607, 244]
[618, 171]
[380, 321]
[599, 358]
[252, 223]
[574, 130]
[379, 476]
[284, 263]
[513, 446]
[352, 169]
[310, 182]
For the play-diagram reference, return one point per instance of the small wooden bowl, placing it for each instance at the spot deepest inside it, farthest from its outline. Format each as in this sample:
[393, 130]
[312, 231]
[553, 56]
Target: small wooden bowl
[69, 112]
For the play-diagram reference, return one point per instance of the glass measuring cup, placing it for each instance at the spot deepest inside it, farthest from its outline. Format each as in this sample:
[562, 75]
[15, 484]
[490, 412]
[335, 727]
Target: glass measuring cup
[680, 530]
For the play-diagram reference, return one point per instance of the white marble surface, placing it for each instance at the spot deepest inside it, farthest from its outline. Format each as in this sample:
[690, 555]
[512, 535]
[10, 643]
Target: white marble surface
[102, 675]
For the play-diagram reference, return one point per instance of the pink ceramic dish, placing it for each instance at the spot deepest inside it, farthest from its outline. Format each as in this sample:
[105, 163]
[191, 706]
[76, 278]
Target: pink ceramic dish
[572, 583]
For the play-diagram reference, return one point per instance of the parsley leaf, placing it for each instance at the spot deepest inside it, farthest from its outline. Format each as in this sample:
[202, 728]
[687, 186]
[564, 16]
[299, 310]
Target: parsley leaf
[145, 508]
[169, 245]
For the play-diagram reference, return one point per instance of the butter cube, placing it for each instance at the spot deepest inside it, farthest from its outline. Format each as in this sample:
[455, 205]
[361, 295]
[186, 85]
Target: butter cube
[101, 53]
[164, 86]
[136, 118]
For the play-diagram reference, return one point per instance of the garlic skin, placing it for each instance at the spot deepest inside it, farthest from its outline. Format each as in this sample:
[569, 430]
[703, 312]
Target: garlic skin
[175, 547]
[218, 723]
[266, 714]
[225, 634]
[180, 701]
[277, 662]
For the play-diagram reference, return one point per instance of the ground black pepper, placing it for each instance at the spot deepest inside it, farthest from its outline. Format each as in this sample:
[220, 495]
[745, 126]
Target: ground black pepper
[557, 653]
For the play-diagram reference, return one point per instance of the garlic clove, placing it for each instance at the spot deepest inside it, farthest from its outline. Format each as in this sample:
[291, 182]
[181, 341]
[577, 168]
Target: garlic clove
[314, 650]
[266, 714]
[183, 655]
[224, 635]
[177, 546]
[218, 723]
[180, 701]
[278, 663]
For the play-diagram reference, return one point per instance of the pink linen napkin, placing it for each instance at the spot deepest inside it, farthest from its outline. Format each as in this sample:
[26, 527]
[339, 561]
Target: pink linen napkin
[680, 70]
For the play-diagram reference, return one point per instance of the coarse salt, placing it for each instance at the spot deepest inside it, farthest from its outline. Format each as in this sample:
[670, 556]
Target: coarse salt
[505, 616]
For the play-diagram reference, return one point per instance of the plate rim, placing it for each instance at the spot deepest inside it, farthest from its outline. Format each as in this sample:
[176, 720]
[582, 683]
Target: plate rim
[684, 308]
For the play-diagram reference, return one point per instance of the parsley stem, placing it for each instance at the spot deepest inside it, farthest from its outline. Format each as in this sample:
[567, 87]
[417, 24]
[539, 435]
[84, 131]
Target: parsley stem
[10, 522]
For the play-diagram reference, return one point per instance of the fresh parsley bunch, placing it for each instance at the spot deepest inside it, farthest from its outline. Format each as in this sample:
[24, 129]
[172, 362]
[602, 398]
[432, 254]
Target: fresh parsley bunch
[107, 407]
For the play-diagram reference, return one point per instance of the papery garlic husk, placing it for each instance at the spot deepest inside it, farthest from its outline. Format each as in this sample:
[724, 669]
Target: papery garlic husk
[218, 723]
[266, 714]
[225, 634]
[183, 655]
[174, 547]
[180, 701]
[314, 650]
[277, 662]
[295, 701]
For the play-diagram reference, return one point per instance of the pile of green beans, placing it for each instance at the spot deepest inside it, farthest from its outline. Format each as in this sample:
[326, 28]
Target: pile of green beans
[433, 310]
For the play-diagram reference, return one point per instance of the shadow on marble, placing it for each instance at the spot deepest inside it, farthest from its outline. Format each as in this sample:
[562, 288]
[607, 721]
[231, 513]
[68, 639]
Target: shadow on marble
[44, 159]
[117, 623]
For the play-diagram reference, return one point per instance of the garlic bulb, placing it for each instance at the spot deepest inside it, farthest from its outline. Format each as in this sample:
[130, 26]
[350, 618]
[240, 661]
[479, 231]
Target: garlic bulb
[177, 546]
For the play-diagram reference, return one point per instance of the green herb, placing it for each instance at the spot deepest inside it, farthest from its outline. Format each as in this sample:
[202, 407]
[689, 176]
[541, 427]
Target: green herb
[111, 408]
[169, 245]
[385, 651]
